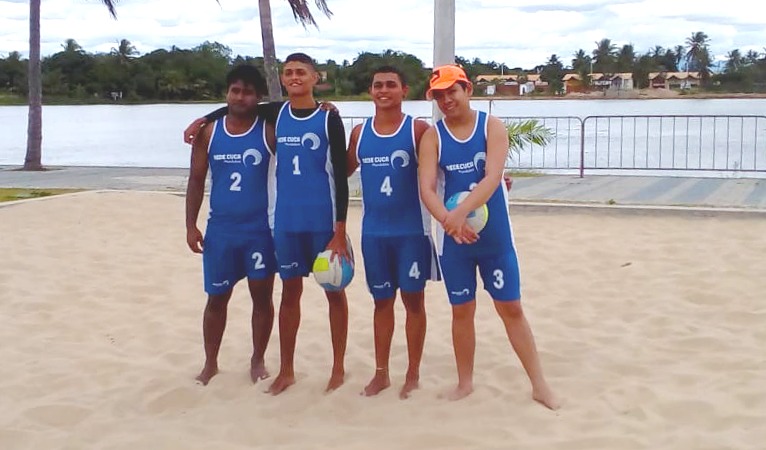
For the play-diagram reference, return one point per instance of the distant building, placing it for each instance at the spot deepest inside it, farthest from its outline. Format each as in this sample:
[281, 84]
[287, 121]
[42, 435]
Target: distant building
[674, 80]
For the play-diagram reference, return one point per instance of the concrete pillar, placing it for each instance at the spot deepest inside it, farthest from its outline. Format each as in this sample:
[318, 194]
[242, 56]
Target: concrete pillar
[444, 39]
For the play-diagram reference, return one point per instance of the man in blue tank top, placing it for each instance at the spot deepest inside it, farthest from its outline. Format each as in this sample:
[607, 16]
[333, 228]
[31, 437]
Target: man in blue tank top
[466, 151]
[311, 207]
[311, 204]
[396, 229]
[238, 243]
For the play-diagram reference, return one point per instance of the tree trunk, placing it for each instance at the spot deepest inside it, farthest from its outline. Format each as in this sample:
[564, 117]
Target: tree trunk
[269, 52]
[33, 159]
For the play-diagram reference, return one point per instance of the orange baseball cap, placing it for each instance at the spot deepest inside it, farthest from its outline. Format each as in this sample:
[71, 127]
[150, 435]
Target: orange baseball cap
[444, 77]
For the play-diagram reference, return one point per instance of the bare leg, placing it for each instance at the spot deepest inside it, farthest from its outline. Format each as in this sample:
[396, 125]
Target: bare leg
[262, 323]
[520, 334]
[416, 336]
[464, 343]
[383, 325]
[289, 320]
[213, 326]
[338, 311]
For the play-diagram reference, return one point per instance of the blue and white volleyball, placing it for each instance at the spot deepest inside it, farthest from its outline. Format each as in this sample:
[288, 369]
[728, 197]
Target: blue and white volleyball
[476, 219]
[335, 274]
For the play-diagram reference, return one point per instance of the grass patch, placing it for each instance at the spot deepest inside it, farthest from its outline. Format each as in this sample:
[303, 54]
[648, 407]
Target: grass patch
[11, 194]
[523, 173]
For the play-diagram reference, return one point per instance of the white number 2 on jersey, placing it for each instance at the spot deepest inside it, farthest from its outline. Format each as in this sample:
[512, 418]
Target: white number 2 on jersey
[386, 186]
[236, 178]
[258, 260]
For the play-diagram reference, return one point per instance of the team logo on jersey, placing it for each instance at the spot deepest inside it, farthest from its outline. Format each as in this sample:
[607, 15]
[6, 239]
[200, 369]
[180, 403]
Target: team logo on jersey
[480, 158]
[257, 156]
[477, 164]
[311, 137]
[382, 161]
[228, 157]
[300, 141]
[400, 154]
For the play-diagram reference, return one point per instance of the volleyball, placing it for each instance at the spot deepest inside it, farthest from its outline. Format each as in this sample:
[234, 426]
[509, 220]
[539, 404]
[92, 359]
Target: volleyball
[476, 219]
[335, 274]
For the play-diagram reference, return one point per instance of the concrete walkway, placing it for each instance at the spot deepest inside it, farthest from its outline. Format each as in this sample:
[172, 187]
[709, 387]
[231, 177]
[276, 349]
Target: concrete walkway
[740, 193]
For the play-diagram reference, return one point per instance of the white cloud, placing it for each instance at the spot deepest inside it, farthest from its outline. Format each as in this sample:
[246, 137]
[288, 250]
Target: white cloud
[523, 34]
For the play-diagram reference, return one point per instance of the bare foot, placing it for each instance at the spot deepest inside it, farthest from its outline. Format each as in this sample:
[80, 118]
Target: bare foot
[281, 382]
[410, 384]
[207, 373]
[336, 380]
[544, 396]
[379, 382]
[461, 391]
[258, 371]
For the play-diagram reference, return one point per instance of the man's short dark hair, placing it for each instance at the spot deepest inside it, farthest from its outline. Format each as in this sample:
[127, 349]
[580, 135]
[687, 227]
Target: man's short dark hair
[302, 58]
[391, 69]
[250, 76]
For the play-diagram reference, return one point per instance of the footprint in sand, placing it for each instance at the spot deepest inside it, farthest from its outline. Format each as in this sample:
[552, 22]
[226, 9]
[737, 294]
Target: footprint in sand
[58, 416]
[176, 399]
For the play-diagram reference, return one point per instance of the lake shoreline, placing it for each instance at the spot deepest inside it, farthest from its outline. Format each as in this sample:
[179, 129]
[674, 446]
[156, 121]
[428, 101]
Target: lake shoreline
[638, 94]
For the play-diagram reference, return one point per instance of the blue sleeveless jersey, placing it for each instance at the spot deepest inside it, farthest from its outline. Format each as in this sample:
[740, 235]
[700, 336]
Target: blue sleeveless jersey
[305, 183]
[461, 167]
[242, 173]
[389, 173]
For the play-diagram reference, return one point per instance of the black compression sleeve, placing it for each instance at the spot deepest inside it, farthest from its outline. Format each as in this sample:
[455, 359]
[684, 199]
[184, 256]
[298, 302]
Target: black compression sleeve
[337, 135]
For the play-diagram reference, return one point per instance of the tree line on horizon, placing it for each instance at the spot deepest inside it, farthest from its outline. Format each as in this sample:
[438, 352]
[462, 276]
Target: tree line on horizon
[198, 73]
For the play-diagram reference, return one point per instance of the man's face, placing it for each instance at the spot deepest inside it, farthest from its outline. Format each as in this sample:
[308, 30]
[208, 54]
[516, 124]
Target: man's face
[387, 90]
[299, 78]
[454, 100]
[242, 99]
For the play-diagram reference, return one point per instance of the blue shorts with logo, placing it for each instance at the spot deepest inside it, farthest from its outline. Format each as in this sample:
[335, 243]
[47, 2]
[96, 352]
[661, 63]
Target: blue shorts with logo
[499, 272]
[296, 251]
[230, 256]
[398, 262]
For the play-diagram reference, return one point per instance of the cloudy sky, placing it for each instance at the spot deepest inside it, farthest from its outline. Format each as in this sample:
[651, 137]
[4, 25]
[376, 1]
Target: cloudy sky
[518, 32]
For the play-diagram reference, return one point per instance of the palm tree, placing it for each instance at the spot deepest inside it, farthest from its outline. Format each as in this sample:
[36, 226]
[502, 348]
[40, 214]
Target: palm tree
[302, 13]
[751, 57]
[125, 51]
[626, 58]
[734, 60]
[604, 56]
[695, 45]
[33, 158]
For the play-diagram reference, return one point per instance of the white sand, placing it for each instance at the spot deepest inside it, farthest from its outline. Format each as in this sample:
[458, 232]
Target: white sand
[652, 330]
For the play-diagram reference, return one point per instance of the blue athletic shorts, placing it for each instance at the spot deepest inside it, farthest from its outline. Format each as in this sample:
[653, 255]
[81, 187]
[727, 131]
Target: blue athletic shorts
[228, 257]
[398, 262]
[500, 274]
[296, 251]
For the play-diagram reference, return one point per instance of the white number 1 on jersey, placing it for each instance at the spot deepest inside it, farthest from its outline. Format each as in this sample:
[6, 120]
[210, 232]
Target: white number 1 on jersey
[386, 186]
[296, 165]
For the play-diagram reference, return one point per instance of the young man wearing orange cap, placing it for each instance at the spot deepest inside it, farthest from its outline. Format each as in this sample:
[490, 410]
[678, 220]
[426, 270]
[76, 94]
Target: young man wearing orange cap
[466, 151]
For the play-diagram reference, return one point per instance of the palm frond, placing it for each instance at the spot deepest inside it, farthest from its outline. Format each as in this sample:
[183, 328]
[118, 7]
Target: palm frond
[111, 6]
[527, 132]
[302, 13]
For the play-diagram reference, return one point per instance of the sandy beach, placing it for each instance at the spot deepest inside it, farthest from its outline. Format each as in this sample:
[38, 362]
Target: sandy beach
[651, 329]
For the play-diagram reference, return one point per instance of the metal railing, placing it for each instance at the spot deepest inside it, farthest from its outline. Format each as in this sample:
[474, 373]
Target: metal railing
[683, 143]
[710, 143]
